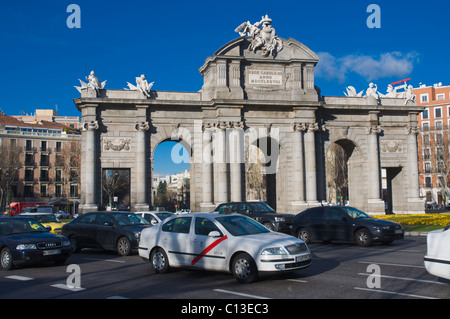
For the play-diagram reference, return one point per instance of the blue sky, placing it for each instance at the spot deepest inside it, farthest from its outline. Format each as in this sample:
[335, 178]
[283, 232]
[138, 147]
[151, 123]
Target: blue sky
[42, 59]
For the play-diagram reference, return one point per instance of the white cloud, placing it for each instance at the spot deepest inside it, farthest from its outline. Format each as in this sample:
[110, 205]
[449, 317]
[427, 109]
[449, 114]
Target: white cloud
[370, 68]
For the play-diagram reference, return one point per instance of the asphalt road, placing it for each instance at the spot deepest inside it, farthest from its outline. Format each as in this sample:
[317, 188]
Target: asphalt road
[338, 271]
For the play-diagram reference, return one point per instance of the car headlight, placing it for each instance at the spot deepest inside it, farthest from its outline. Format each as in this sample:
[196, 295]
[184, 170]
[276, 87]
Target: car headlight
[65, 243]
[279, 219]
[381, 227]
[26, 246]
[274, 251]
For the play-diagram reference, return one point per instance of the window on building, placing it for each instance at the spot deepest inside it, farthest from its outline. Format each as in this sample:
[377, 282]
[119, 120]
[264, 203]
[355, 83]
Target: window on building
[440, 96]
[424, 98]
[427, 168]
[425, 114]
[425, 126]
[437, 112]
[428, 182]
[438, 125]
[426, 154]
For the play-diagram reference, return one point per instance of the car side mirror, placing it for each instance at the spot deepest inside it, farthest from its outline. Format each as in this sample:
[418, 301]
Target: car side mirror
[48, 227]
[214, 233]
[154, 222]
[108, 224]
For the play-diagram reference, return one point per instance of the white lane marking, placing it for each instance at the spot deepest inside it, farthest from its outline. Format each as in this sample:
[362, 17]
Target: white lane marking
[394, 293]
[109, 260]
[66, 287]
[388, 264]
[240, 294]
[297, 280]
[21, 278]
[403, 278]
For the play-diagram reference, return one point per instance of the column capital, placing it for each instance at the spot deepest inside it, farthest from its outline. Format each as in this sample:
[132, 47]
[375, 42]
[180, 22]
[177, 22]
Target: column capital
[413, 130]
[373, 129]
[312, 127]
[90, 126]
[237, 124]
[141, 126]
[299, 127]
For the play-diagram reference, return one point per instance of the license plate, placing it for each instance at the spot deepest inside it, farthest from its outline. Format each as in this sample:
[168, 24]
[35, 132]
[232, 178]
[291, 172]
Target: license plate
[52, 252]
[399, 231]
[302, 258]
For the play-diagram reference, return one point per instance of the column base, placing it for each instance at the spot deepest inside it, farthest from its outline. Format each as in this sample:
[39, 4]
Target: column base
[86, 208]
[207, 207]
[141, 207]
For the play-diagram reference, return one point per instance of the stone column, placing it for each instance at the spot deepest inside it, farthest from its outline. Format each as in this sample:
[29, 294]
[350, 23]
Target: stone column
[236, 161]
[310, 163]
[141, 167]
[207, 203]
[90, 169]
[220, 163]
[298, 173]
[413, 161]
[373, 167]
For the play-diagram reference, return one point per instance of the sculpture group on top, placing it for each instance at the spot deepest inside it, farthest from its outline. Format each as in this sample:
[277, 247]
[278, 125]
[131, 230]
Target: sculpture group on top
[96, 85]
[93, 82]
[391, 92]
[263, 36]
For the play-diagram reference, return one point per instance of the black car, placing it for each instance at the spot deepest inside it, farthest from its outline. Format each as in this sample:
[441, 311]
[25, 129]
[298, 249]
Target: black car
[344, 224]
[108, 230]
[26, 241]
[260, 212]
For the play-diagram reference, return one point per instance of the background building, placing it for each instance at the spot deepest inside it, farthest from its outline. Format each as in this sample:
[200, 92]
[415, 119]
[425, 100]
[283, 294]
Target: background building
[40, 160]
[433, 142]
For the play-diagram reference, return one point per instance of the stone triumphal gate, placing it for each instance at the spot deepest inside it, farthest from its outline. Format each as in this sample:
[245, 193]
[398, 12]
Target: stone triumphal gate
[258, 91]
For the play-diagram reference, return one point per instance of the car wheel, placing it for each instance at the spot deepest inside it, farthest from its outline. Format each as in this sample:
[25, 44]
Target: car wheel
[6, 262]
[74, 246]
[123, 246]
[159, 261]
[363, 237]
[244, 268]
[304, 234]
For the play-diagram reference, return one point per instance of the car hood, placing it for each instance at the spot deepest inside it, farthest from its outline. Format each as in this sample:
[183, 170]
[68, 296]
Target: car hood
[377, 222]
[135, 228]
[26, 238]
[270, 239]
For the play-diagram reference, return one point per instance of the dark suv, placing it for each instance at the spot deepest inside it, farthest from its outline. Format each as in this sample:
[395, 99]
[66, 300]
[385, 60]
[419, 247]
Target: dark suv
[260, 212]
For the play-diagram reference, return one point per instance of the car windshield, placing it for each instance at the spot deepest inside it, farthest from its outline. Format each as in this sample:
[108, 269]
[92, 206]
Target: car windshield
[241, 225]
[355, 213]
[163, 216]
[20, 226]
[261, 208]
[129, 219]
[47, 218]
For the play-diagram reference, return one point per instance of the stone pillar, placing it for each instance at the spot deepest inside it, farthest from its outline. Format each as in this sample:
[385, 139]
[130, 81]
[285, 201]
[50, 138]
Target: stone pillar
[236, 160]
[413, 161]
[141, 167]
[207, 203]
[373, 167]
[298, 174]
[310, 163]
[90, 169]
[220, 164]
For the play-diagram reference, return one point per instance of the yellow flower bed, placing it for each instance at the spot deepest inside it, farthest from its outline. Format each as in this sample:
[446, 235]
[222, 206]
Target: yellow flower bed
[419, 219]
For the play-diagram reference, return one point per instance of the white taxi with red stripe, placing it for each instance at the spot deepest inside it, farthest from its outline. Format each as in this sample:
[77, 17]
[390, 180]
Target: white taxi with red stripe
[212, 241]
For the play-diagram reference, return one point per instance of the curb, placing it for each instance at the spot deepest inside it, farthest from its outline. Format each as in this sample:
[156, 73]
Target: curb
[416, 233]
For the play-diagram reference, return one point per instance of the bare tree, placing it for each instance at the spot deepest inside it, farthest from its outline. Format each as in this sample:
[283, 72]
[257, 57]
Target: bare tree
[337, 173]
[115, 182]
[9, 168]
[255, 180]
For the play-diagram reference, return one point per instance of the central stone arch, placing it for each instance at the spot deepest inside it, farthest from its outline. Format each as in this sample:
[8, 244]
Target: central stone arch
[248, 91]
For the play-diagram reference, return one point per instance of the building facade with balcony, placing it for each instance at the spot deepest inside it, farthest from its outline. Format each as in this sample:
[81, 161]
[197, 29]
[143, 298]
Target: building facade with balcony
[42, 160]
[433, 143]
